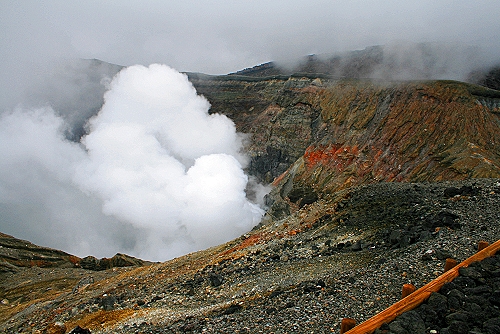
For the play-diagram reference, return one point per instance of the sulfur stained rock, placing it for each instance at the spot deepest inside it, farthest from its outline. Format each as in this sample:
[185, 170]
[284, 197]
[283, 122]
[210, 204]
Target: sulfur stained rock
[56, 328]
[372, 133]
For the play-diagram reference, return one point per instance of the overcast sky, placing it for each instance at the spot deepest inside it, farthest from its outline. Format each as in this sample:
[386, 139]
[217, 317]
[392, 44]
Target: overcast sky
[222, 36]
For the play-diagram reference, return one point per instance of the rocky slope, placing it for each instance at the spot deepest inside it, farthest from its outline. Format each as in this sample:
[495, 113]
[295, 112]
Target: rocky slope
[346, 256]
[467, 304]
[15, 254]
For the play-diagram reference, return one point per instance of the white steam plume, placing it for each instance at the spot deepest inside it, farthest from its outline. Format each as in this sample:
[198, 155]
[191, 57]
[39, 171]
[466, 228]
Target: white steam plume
[168, 174]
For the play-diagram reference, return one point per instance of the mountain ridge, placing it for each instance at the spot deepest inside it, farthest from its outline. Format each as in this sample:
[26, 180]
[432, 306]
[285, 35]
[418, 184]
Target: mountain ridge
[403, 61]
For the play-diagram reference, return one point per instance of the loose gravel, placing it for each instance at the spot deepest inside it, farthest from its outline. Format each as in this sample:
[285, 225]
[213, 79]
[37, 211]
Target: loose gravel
[354, 284]
[351, 263]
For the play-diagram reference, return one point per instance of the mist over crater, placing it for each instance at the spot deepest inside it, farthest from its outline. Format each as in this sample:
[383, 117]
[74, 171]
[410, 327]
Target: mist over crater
[156, 176]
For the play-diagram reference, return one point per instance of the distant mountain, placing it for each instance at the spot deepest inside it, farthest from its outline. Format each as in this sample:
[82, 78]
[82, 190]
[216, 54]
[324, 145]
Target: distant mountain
[16, 254]
[403, 61]
[74, 89]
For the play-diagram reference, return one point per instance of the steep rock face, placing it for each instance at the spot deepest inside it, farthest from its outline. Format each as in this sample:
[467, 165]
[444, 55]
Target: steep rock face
[279, 115]
[410, 132]
[330, 135]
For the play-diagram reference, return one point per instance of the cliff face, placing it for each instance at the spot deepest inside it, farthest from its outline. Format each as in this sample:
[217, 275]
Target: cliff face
[407, 132]
[311, 137]
[278, 115]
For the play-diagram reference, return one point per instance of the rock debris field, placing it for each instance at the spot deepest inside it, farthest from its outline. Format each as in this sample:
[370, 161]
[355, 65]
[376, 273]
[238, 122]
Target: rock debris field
[468, 304]
[352, 262]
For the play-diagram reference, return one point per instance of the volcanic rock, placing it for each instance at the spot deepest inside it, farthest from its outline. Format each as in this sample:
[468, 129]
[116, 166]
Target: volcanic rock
[119, 260]
[80, 330]
[458, 307]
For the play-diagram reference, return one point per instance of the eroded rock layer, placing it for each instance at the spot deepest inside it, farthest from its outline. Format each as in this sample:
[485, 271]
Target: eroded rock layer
[311, 136]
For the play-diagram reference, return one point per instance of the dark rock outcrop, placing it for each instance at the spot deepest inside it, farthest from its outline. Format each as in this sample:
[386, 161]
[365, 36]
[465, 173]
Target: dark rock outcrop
[488, 78]
[119, 260]
[80, 330]
[468, 304]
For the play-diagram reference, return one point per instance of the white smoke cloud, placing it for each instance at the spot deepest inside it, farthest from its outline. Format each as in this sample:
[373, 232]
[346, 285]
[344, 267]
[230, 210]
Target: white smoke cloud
[38, 200]
[168, 174]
